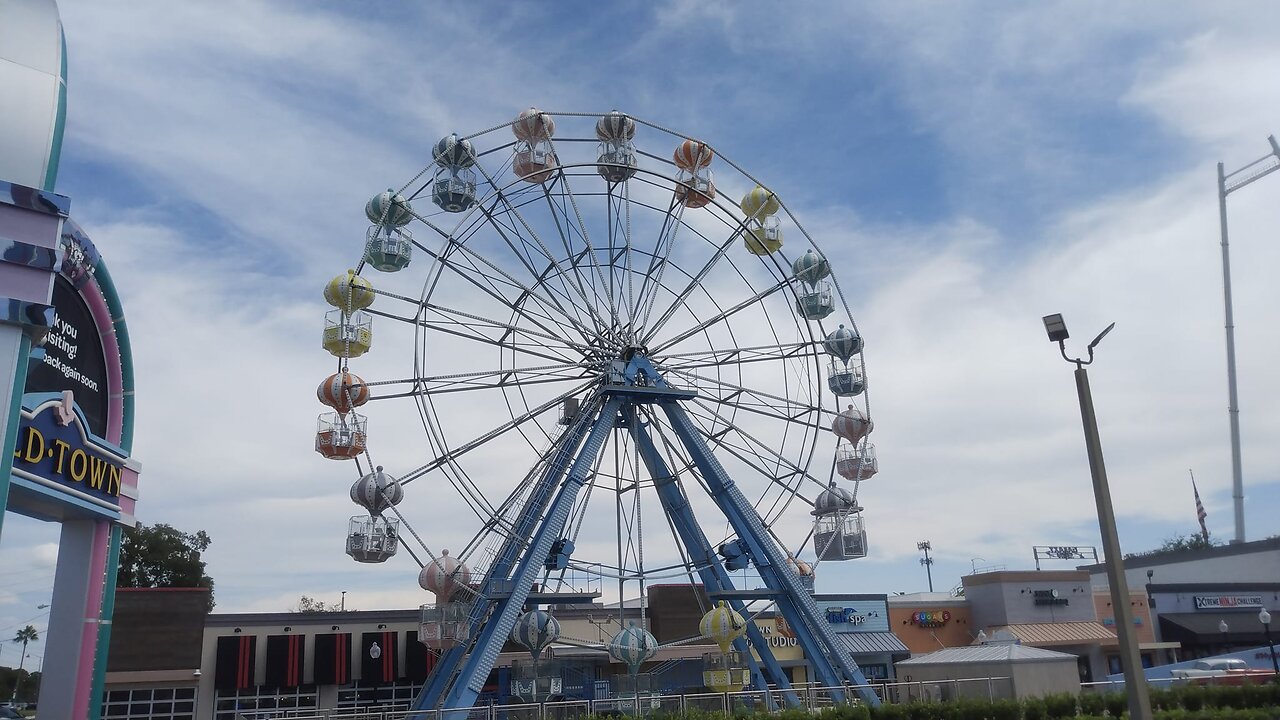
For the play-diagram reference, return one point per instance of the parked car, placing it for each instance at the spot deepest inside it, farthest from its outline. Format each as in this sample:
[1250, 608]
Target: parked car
[7, 712]
[1220, 671]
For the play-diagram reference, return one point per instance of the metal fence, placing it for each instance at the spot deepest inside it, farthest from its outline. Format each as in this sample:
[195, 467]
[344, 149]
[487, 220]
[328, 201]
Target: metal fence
[811, 697]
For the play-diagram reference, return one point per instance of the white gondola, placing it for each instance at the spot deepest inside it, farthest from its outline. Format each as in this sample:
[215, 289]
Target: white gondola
[534, 159]
[857, 462]
[616, 160]
[815, 302]
[372, 539]
[388, 249]
[454, 187]
[347, 335]
[445, 625]
[341, 436]
[838, 532]
[845, 381]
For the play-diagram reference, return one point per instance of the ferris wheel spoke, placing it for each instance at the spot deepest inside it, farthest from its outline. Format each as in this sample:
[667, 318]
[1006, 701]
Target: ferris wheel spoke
[566, 230]
[694, 283]
[558, 296]
[761, 457]
[752, 301]
[468, 332]
[449, 456]
[735, 394]
[548, 304]
[565, 278]
[472, 275]
[685, 362]
[672, 224]
[508, 329]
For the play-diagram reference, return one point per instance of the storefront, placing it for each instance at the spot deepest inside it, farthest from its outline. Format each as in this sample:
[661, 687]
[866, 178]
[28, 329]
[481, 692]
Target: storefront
[928, 622]
[1211, 619]
[862, 624]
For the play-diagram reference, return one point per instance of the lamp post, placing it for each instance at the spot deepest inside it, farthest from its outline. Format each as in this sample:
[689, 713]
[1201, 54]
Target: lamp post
[1264, 617]
[1131, 663]
[926, 561]
[1223, 628]
[1227, 184]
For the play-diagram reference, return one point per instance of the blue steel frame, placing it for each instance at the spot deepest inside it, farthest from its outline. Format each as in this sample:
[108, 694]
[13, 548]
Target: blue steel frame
[460, 675]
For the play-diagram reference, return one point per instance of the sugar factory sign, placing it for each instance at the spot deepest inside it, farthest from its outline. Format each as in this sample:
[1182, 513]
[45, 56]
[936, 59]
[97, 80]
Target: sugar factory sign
[73, 357]
[1217, 602]
[930, 618]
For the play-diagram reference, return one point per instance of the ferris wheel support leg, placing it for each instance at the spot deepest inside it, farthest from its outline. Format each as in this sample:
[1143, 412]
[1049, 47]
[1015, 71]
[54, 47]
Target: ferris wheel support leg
[477, 665]
[831, 662]
[446, 669]
[712, 573]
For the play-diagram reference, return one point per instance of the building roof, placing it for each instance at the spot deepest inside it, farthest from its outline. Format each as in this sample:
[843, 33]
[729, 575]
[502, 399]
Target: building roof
[873, 643]
[1023, 576]
[1168, 557]
[993, 652]
[1064, 633]
[926, 598]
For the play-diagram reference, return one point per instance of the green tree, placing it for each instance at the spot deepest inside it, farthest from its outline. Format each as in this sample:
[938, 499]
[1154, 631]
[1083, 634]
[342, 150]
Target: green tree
[24, 636]
[307, 604]
[162, 556]
[1179, 544]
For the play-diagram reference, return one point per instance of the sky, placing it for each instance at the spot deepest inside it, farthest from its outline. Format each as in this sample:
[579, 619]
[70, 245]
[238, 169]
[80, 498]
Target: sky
[969, 169]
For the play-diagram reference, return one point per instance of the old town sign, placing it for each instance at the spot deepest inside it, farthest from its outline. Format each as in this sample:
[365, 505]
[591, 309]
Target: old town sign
[57, 454]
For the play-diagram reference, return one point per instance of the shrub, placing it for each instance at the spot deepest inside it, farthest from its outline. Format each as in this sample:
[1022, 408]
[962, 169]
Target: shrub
[1060, 705]
[888, 711]
[1034, 709]
[1117, 704]
[1092, 703]
[1006, 710]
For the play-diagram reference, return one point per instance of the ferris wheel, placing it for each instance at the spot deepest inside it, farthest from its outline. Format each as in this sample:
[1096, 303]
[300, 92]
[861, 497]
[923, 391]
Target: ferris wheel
[625, 371]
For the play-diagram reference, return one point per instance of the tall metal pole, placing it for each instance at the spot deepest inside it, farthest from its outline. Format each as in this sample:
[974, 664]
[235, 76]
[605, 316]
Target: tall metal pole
[1134, 679]
[1228, 183]
[1233, 406]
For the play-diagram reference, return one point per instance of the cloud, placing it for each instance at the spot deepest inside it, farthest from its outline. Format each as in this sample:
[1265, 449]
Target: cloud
[966, 172]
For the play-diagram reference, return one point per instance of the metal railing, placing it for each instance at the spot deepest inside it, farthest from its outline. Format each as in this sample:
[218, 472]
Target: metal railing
[812, 697]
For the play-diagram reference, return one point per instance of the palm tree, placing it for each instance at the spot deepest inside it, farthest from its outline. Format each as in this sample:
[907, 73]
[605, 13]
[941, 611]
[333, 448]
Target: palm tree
[24, 636]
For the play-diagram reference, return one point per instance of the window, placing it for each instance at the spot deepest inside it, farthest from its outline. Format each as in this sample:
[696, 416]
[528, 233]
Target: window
[229, 705]
[150, 704]
[396, 696]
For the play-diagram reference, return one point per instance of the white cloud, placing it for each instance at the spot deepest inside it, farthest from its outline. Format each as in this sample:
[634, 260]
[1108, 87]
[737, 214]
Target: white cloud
[254, 135]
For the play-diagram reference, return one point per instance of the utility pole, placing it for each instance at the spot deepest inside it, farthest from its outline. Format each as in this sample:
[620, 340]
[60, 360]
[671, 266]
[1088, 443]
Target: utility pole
[926, 561]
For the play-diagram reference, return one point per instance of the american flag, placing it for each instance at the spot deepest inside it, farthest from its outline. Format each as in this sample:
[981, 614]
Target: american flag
[1200, 513]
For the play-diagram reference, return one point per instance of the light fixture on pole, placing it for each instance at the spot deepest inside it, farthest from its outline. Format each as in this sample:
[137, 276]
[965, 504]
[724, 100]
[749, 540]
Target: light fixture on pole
[1264, 617]
[1135, 680]
[1223, 628]
[1227, 184]
[924, 547]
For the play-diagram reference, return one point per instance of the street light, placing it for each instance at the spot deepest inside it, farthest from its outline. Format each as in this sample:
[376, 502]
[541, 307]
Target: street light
[1227, 184]
[1222, 628]
[1135, 680]
[1264, 617]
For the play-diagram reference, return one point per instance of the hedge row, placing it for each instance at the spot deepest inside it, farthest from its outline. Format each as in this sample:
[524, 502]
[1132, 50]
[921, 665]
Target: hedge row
[1249, 702]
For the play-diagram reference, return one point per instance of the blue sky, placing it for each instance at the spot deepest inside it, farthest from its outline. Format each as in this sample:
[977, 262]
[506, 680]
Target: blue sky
[974, 167]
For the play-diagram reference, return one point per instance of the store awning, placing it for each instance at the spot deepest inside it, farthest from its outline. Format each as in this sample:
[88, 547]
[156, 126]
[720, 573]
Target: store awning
[1201, 628]
[1055, 634]
[873, 643]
